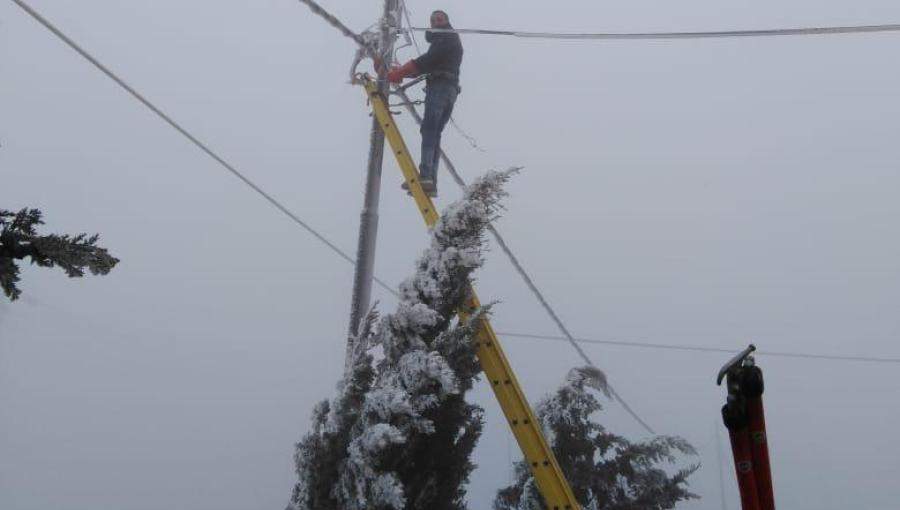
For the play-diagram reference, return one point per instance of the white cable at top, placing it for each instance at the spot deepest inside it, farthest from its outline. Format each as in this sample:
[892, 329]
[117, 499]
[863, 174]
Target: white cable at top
[771, 32]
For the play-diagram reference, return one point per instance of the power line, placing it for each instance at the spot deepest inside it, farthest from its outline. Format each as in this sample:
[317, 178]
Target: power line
[409, 105]
[451, 168]
[695, 348]
[832, 30]
[194, 140]
[87, 56]
[412, 36]
[334, 21]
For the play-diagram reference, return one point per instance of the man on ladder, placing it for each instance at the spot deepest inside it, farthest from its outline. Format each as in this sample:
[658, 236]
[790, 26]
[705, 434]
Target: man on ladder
[441, 63]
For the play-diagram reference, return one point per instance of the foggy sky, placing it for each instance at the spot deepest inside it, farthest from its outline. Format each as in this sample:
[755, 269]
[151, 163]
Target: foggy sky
[710, 192]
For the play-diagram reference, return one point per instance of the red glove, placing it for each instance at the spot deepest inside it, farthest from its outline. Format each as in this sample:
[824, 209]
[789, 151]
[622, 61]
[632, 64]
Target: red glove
[397, 74]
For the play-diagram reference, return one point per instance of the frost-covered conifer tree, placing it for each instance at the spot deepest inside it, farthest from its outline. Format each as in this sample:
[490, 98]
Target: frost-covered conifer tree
[400, 434]
[606, 471]
[19, 240]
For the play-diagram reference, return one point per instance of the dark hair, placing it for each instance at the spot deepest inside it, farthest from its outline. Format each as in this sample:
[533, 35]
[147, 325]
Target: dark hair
[442, 12]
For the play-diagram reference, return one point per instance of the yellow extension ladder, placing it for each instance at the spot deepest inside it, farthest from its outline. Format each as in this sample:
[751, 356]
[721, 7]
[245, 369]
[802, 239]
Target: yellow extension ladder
[549, 477]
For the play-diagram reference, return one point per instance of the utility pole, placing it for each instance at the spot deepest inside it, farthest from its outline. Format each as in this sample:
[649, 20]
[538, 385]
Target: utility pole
[368, 220]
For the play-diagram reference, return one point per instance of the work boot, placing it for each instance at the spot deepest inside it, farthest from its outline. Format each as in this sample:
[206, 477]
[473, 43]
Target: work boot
[429, 187]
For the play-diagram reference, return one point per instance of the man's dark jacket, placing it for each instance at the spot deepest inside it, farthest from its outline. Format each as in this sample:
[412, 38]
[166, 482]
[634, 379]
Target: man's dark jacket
[443, 58]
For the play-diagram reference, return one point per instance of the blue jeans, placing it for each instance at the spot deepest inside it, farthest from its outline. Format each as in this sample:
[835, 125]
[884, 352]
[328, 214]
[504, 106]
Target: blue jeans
[440, 96]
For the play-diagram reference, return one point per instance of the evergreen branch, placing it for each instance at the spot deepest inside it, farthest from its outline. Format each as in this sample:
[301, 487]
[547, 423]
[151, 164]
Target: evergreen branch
[19, 240]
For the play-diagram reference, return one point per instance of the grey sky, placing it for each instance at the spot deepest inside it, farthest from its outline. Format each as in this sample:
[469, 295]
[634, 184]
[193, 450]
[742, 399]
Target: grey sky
[705, 192]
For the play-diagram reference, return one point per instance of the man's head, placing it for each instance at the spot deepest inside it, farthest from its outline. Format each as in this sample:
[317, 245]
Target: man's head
[439, 19]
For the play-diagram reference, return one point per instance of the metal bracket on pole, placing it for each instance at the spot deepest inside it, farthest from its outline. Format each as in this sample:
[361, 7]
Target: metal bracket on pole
[734, 363]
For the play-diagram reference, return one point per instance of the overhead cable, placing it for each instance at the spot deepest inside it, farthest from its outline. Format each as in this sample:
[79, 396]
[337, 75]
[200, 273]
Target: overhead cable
[409, 22]
[451, 168]
[334, 21]
[346, 257]
[773, 32]
[409, 105]
[194, 140]
[695, 348]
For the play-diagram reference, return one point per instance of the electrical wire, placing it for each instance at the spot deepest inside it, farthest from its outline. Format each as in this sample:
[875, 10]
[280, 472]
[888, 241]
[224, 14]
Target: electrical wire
[832, 30]
[408, 104]
[318, 10]
[695, 348]
[333, 21]
[647, 35]
[451, 168]
[409, 23]
[194, 140]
